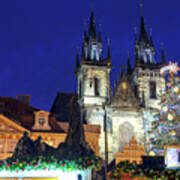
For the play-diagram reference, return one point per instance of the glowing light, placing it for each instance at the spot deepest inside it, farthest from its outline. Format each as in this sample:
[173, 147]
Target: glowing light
[172, 68]
[152, 153]
[171, 157]
[62, 175]
[165, 109]
[176, 89]
[173, 133]
[170, 117]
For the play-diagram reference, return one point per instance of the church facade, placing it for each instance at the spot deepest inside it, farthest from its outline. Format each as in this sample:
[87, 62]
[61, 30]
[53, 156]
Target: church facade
[130, 105]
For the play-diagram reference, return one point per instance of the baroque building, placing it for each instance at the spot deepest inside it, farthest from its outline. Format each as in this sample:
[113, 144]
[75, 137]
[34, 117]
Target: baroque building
[129, 106]
[18, 116]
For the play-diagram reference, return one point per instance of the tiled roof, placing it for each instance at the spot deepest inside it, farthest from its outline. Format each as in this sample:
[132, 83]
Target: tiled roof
[23, 114]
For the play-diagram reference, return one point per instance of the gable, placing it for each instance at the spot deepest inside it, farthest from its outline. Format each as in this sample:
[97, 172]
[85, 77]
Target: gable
[7, 125]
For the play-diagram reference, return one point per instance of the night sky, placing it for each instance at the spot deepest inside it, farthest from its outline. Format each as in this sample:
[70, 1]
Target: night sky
[38, 40]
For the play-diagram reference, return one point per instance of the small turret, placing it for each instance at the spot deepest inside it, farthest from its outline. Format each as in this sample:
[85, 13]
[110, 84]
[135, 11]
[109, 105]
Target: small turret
[151, 43]
[108, 50]
[129, 69]
[77, 62]
[163, 57]
[100, 36]
[85, 32]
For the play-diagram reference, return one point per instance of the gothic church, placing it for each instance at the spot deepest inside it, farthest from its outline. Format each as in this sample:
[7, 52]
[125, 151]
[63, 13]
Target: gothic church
[130, 105]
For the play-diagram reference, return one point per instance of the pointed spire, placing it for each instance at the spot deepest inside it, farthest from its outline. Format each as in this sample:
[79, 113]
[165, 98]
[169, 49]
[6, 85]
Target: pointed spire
[77, 60]
[83, 53]
[115, 86]
[128, 63]
[100, 36]
[143, 36]
[92, 26]
[109, 49]
[122, 69]
[163, 57]
[85, 32]
[135, 33]
[151, 39]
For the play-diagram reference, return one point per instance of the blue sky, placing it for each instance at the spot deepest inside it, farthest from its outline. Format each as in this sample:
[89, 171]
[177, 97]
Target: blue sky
[38, 40]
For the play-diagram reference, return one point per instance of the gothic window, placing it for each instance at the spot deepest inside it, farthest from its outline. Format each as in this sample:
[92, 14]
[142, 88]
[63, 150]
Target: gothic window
[152, 89]
[96, 86]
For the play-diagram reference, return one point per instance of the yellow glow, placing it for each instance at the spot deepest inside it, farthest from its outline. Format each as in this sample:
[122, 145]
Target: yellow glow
[152, 153]
[124, 85]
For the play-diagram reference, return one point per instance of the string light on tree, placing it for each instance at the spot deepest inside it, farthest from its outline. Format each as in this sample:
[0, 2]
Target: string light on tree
[165, 127]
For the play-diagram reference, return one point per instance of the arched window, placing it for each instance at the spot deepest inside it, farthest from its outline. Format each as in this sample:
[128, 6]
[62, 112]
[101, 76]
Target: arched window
[96, 86]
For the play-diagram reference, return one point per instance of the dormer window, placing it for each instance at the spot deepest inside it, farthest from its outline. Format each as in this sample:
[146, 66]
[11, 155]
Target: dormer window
[41, 121]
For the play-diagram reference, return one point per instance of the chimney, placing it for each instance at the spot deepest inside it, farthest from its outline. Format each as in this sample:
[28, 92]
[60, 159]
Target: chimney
[24, 99]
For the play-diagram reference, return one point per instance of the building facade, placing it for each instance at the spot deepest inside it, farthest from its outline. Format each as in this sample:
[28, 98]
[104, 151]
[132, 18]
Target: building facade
[130, 105]
[16, 117]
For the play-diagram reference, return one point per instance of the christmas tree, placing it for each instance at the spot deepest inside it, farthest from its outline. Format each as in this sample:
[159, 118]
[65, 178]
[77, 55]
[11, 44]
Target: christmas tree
[165, 128]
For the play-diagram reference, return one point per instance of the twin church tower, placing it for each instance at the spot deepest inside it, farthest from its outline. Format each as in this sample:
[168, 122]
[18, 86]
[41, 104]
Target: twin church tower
[134, 99]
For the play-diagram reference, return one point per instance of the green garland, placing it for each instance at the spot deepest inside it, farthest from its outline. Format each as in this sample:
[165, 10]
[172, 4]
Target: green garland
[51, 163]
[132, 170]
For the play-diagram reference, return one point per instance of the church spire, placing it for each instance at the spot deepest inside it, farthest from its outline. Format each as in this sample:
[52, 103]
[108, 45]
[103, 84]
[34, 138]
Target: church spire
[85, 32]
[163, 57]
[143, 36]
[128, 63]
[100, 36]
[108, 50]
[77, 61]
[151, 43]
[92, 25]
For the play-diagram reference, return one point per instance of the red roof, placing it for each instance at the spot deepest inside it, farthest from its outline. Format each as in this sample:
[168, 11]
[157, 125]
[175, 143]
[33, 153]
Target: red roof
[23, 114]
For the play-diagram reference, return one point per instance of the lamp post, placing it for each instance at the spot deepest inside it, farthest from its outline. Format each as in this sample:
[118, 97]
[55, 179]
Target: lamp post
[105, 142]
